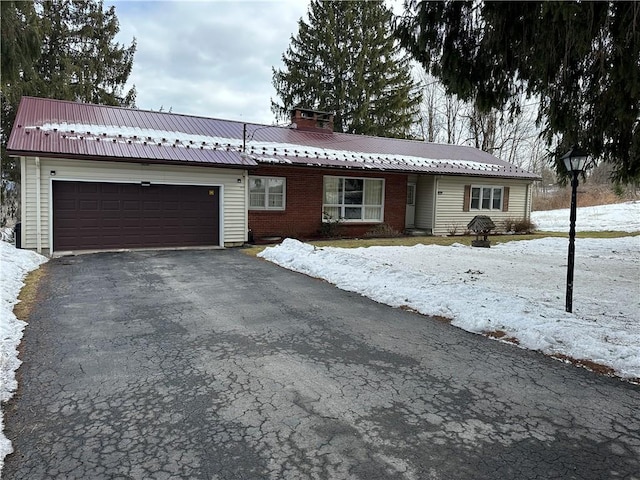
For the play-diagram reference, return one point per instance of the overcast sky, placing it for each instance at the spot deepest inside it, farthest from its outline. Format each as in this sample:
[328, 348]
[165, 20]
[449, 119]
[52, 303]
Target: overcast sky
[208, 58]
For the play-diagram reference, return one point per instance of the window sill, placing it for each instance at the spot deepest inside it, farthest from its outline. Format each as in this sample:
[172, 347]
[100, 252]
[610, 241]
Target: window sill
[346, 223]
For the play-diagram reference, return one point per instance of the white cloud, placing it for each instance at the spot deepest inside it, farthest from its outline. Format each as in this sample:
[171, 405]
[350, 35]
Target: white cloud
[208, 58]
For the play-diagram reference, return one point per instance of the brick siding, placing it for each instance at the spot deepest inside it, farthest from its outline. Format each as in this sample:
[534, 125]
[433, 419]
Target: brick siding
[302, 217]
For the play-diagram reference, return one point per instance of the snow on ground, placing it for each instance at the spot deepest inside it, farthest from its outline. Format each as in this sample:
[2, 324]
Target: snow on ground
[14, 266]
[620, 217]
[515, 287]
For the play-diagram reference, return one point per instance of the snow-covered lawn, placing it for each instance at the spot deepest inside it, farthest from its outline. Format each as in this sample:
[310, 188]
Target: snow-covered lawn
[14, 266]
[517, 287]
[621, 217]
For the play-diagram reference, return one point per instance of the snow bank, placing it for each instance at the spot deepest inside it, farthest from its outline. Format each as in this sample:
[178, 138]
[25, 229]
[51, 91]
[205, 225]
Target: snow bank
[14, 266]
[516, 287]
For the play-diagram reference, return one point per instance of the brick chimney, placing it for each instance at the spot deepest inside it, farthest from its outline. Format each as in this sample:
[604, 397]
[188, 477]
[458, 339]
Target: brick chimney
[312, 120]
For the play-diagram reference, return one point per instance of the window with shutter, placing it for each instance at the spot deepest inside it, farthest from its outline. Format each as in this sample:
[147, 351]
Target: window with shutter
[485, 197]
[467, 198]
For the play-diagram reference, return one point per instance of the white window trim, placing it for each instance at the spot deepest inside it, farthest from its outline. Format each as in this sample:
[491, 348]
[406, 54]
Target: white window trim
[266, 193]
[342, 205]
[492, 187]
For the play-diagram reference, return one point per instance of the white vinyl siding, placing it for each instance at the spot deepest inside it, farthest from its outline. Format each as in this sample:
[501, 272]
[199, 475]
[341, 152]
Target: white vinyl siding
[425, 191]
[232, 181]
[449, 212]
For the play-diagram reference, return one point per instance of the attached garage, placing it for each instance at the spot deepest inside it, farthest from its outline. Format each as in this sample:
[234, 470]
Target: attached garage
[96, 177]
[100, 215]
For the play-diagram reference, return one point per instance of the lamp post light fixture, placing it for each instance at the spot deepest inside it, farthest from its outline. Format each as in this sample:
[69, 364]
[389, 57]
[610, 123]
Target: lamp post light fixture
[574, 160]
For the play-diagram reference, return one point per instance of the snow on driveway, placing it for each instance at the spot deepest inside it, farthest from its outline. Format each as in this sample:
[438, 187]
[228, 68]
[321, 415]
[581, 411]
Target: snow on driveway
[14, 266]
[516, 287]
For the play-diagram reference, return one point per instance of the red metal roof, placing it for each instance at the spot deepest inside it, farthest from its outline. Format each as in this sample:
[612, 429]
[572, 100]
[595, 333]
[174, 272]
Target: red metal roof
[48, 127]
[58, 128]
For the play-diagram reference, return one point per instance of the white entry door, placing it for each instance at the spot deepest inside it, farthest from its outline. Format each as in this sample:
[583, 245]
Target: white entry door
[410, 220]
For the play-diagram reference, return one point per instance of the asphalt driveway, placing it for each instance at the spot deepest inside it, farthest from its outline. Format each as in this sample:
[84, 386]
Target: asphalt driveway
[215, 365]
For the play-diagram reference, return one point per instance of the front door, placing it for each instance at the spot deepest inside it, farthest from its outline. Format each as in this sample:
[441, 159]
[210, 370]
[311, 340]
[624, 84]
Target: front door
[410, 220]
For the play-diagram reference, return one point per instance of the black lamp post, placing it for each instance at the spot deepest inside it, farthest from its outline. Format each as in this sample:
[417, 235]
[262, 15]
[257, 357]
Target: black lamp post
[575, 161]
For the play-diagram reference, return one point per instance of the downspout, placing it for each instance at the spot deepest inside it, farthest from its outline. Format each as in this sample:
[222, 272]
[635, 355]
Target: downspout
[435, 205]
[23, 198]
[38, 209]
[247, 230]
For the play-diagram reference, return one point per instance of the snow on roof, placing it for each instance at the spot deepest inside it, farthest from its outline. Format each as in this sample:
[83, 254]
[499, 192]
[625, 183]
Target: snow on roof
[46, 126]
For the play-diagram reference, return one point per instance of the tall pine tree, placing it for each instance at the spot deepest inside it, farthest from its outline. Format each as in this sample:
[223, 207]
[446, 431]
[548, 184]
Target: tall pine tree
[80, 59]
[63, 49]
[345, 60]
[582, 59]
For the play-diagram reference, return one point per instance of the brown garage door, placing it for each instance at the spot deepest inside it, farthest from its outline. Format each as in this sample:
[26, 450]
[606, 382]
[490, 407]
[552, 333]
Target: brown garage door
[91, 215]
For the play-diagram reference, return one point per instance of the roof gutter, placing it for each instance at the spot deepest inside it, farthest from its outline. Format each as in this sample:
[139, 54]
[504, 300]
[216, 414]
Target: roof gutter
[71, 156]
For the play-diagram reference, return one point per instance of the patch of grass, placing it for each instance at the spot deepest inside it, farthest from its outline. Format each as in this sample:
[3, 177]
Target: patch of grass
[502, 335]
[253, 250]
[588, 364]
[28, 294]
[445, 241]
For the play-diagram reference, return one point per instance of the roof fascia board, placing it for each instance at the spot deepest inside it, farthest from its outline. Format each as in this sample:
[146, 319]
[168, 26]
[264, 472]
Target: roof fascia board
[20, 153]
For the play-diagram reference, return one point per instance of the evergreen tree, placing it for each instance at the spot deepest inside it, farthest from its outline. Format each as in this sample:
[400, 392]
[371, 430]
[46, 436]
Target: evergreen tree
[20, 47]
[345, 60]
[20, 44]
[63, 49]
[80, 60]
[582, 59]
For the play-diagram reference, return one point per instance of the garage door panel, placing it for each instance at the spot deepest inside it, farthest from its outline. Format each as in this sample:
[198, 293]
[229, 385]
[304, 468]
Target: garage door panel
[112, 188]
[129, 223]
[65, 204]
[110, 205]
[87, 221]
[171, 206]
[126, 239]
[131, 205]
[88, 205]
[93, 215]
[173, 222]
[87, 187]
[66, 225]
[150, 206]
[110, 225]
